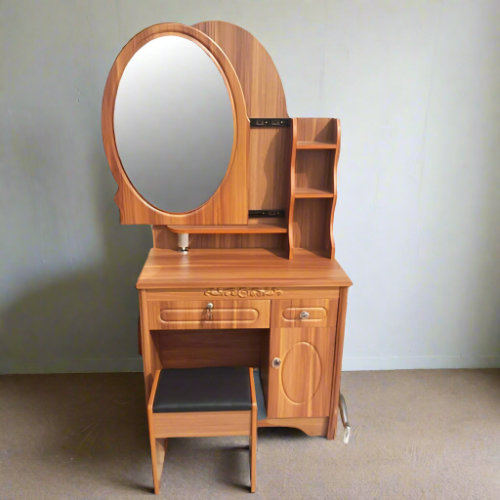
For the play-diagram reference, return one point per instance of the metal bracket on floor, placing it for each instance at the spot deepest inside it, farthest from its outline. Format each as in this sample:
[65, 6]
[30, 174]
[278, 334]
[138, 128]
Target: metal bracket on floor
[344, 417]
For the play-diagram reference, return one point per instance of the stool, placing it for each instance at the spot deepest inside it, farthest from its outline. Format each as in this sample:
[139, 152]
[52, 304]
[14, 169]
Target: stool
[202, 402]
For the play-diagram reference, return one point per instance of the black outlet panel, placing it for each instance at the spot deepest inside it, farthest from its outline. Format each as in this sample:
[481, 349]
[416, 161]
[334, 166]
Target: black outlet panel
[254, 214]
[269, 122]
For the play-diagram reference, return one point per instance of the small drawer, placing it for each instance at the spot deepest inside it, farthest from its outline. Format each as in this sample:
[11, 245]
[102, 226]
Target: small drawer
[299, 313]
[208, 314]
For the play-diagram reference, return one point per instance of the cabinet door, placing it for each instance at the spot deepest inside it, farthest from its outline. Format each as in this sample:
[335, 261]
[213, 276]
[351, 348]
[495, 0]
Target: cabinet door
[300, 372]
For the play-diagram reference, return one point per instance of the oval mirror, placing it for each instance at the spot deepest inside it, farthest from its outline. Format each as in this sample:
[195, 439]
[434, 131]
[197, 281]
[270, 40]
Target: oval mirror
[173, 124]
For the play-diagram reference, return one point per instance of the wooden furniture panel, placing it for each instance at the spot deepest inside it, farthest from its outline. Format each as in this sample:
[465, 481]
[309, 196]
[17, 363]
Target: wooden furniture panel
[256, 71]
[228, 241]
[253, 435]
[307, 192]
[268, 169]
[202, 424]
[165, 239]
[310, 425]
[257, 228]
[149, 345]
[315, 145]
[300, 386]
[258, 272]
[237, 293]
[337, 366]
[229, 204]
[320, 312]
[189, 315]
[158, 445]
[202, 348]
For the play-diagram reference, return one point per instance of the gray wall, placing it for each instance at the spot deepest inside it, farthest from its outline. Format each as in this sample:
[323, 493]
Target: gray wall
[416, 85]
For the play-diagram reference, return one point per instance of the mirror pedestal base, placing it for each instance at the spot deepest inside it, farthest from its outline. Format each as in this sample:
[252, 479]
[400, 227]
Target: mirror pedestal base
[183, 243]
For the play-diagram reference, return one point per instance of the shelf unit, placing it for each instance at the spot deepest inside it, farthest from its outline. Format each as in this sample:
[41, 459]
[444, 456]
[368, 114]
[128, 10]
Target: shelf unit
[313, 184]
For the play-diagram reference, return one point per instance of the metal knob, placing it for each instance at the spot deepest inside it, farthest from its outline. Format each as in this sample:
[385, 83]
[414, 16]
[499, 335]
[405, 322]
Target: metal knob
[304, 315]
[276, 362]
[210, 307]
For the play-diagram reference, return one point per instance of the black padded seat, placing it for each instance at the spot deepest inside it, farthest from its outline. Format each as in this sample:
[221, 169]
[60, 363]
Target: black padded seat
[224, 388]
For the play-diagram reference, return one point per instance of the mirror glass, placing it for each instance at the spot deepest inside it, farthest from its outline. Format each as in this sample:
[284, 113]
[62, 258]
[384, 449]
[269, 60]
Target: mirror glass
[173, 124]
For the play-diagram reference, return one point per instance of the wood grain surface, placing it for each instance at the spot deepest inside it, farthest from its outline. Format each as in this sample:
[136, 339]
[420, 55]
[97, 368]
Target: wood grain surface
[286, 313]
[195, 315]
[203, 424]
[253, 435]
[239, 267]
[337, 365]
[158, 445]
[257, 228]
[301, 385]
[202, 348]
[256, 71]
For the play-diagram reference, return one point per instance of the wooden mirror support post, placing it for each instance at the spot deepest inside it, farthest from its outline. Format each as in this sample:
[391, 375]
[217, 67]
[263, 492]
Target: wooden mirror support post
[261, 256]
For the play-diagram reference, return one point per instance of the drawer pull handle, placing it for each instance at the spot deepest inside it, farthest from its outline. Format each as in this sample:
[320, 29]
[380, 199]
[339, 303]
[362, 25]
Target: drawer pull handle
[304, 315]
[210, 308]
[276, 362]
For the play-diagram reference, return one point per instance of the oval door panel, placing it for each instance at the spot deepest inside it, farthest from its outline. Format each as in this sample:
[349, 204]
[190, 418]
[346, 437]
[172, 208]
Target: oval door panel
[173, 124]
[301, 372]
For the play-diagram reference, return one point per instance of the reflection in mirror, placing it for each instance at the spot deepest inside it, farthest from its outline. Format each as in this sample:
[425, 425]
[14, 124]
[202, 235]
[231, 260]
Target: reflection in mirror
[173, 124]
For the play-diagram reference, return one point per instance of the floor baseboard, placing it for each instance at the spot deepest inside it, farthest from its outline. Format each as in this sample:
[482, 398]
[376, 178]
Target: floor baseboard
[418, 362]
[71, 366]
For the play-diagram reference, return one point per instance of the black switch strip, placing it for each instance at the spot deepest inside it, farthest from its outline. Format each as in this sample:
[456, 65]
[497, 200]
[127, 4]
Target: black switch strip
[269, 122]
[254, 214]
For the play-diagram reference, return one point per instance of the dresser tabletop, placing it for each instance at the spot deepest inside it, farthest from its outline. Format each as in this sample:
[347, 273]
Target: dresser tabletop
[251, 267]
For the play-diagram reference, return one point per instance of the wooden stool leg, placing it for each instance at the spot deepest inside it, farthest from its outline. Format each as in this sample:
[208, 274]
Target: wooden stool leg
[158, 449]
[253, 437]
[158, 445]
[253, 454]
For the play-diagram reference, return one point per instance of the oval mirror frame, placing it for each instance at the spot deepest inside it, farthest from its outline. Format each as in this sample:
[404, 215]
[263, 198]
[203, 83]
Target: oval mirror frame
[229, 204]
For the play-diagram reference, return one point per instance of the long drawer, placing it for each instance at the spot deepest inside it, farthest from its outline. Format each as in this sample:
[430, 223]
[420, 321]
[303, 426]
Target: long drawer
[208, 314]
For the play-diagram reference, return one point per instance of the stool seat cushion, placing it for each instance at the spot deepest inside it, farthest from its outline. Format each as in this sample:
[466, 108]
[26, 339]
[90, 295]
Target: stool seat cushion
[222, 388]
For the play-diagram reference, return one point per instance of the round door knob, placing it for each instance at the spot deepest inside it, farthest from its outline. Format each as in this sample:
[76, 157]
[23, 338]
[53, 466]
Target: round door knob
[276, 362]
[304, 315]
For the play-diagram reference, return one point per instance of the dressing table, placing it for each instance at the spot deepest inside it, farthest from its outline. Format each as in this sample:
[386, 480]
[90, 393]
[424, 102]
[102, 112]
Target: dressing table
[241, 199]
